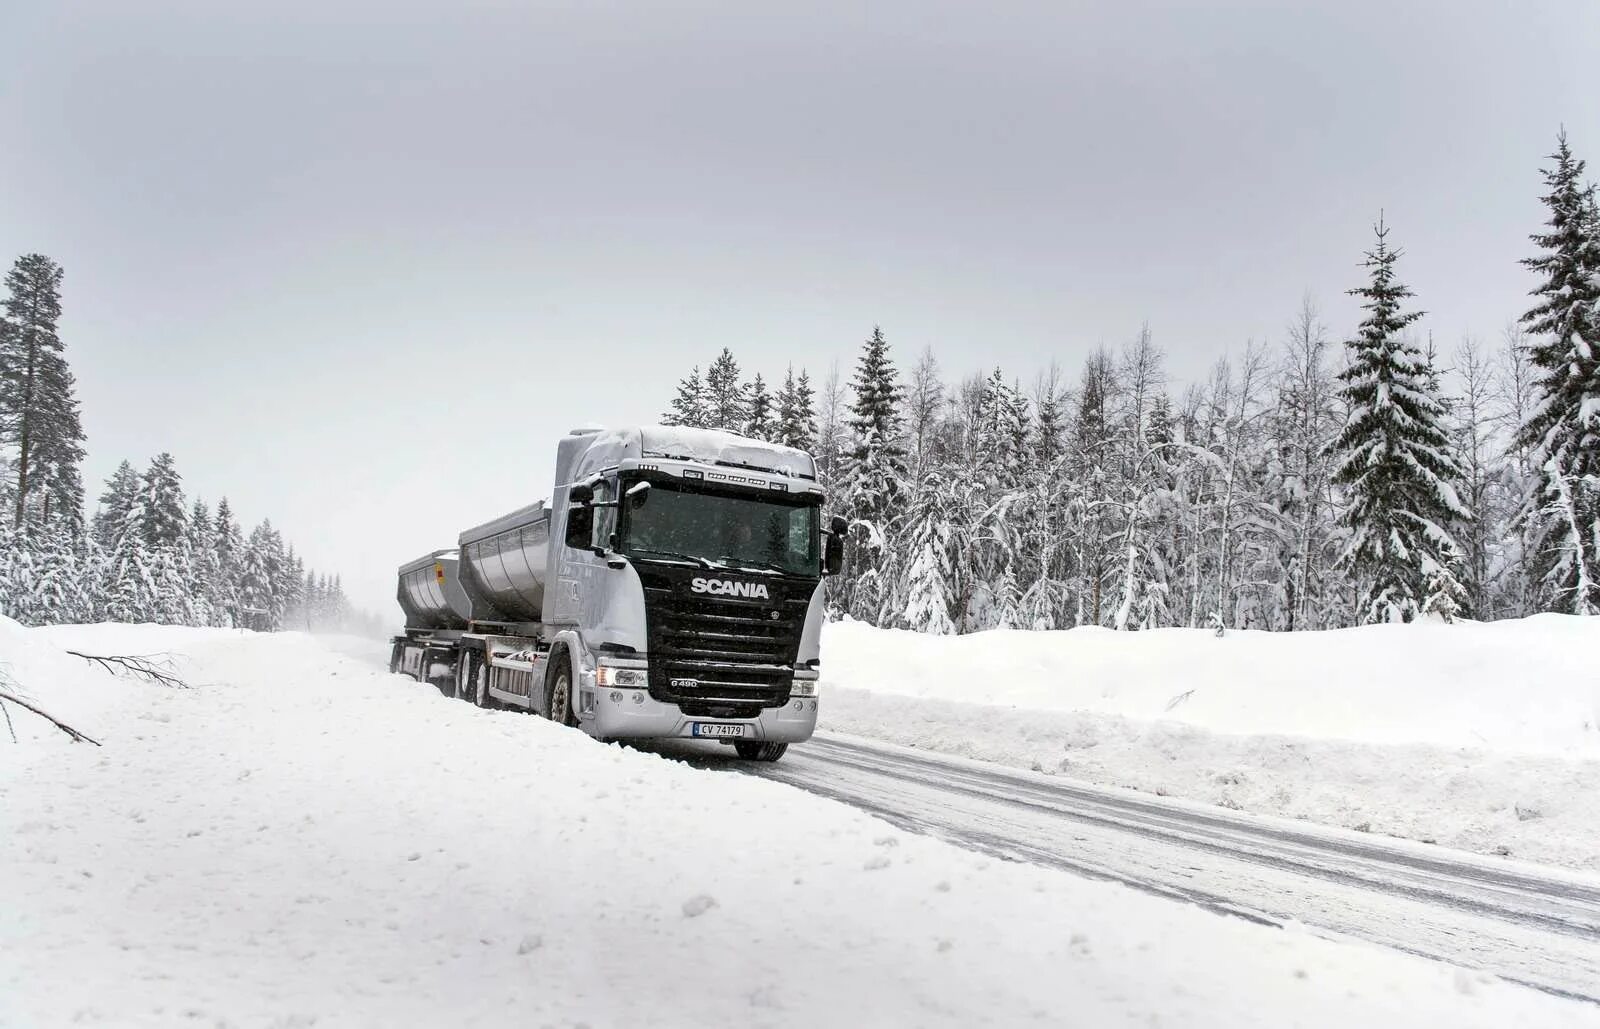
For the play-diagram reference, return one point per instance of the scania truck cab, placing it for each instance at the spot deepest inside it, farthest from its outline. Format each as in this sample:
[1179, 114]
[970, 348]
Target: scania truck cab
[672, 588]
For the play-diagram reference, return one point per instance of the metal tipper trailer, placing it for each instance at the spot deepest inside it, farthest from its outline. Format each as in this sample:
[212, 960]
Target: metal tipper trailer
[671, 588]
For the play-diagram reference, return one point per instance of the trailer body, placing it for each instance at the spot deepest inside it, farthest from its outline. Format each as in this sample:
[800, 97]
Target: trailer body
[671, 587]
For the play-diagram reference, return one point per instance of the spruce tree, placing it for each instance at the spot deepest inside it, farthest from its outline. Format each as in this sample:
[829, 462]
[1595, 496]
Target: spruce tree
[38, 396]
[162, 516]
[259, 577]
[689, 406]
[801, 431]
[230, 550]
[758, 402]
[1562, 433]
[116, 505]
[726, 406]
[1396, 461]
[875, 471]
[202, 550]
[928, 586]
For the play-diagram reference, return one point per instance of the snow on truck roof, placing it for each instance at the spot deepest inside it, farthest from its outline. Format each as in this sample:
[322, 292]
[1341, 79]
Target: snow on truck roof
[608, 447]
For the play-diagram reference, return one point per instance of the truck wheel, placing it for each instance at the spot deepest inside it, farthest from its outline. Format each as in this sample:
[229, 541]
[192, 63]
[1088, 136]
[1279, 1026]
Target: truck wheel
[756, 750]
[394, 659]
[558, 695]
[464, 676]
[480, 685]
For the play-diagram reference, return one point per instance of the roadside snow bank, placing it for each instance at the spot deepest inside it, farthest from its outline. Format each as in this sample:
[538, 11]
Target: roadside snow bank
[1479, 736]
[301, 838]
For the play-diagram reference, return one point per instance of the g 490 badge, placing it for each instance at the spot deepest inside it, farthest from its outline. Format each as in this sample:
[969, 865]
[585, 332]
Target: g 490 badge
[685, 684]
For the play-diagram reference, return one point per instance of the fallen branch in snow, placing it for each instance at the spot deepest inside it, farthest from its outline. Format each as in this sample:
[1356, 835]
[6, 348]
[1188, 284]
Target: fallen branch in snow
[47, 716]
[157, 668]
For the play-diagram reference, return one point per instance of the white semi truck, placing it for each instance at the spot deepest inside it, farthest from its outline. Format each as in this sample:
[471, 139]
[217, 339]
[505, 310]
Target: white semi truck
[671, 588]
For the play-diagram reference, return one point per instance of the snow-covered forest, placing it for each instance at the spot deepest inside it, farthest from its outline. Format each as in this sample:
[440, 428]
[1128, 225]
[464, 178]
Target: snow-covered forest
[146, 554]
[1334, 476]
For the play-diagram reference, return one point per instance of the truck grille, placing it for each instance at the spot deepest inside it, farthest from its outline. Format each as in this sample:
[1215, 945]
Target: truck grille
[718, 658]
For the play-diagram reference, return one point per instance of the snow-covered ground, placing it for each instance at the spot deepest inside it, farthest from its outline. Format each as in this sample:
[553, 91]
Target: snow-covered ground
[1484, 737]
[302, 838]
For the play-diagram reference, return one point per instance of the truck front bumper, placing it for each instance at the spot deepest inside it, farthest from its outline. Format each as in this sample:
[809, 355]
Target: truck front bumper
[620, 714]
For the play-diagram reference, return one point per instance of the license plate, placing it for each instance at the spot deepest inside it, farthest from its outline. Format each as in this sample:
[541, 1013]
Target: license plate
[719, 729]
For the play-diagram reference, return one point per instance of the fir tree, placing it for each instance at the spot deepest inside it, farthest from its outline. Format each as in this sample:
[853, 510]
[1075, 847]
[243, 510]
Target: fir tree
[929, 585]
[759, 424]
[117, 503]
[202, 550]
[162, 517]
[796, 419]
[1396, 461]
[1562, 433]
[38, 396]
[689, 406]
[230, 552]
[875, 472]
[260, 577]
[725, 404]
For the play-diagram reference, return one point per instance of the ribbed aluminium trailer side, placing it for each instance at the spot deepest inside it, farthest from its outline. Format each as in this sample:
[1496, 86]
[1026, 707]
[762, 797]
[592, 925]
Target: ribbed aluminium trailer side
[504, 565]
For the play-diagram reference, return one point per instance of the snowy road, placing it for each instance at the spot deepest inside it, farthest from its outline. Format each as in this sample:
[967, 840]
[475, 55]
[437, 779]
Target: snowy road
[1535, 925]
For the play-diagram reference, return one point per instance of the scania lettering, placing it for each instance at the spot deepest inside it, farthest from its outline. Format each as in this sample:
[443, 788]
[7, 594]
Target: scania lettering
[671, 587]
[727, 588]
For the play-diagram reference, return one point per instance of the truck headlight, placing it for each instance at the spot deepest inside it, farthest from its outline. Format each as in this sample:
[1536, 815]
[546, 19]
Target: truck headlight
[803, 688]
[628, 678]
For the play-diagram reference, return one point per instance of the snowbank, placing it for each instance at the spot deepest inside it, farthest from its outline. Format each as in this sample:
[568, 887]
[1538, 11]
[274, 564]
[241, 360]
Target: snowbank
[1480, 736]
[302, 838]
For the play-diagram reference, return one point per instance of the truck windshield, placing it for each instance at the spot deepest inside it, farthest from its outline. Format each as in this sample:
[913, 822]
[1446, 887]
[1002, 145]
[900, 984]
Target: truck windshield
[728, 529]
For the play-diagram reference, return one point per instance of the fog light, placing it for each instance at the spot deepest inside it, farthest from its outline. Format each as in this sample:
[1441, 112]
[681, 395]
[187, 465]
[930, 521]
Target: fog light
[799, 705]
[616, 696]
[638, 698]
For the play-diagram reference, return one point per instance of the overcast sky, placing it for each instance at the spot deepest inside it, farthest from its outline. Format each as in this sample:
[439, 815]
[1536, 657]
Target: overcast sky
[358, 265]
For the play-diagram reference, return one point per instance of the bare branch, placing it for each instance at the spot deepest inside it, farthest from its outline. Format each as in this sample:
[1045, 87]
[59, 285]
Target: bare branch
[160, 669]
[52, 719]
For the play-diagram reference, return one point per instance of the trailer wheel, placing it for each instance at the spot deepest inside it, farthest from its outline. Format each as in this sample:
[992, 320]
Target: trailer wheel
[464, 675]
[758, 750]
[394, 659]
[558, 693]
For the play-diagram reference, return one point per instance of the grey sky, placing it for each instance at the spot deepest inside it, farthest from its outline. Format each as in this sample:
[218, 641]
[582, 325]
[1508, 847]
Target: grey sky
[357, 265]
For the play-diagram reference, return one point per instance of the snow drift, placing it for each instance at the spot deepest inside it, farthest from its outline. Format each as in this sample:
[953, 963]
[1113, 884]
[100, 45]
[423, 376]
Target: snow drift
[302, 838]
[1485, 736]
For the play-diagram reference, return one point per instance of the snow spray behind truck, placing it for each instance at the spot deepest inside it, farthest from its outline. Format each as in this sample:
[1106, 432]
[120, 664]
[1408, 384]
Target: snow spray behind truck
[671, 588]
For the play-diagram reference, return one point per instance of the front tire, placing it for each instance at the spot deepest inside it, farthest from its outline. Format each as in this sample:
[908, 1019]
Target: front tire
[758, 750]
[558, 695]
[480, 685]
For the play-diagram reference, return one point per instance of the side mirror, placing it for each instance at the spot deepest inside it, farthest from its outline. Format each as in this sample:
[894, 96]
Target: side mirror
[833, 553]
[637, 494]
[838, 526]
[580, 493]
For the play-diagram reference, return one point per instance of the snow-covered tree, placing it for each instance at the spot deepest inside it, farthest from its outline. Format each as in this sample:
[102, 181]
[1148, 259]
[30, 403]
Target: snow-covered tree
[161, 513]
[1562, 432]
[689, 405]
[797, 425]
[759, 422]
[38, 396]
[1396, 461]
[726, 406]
[230, 550]
[875, 473]
[260, 575]
[116, 505]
